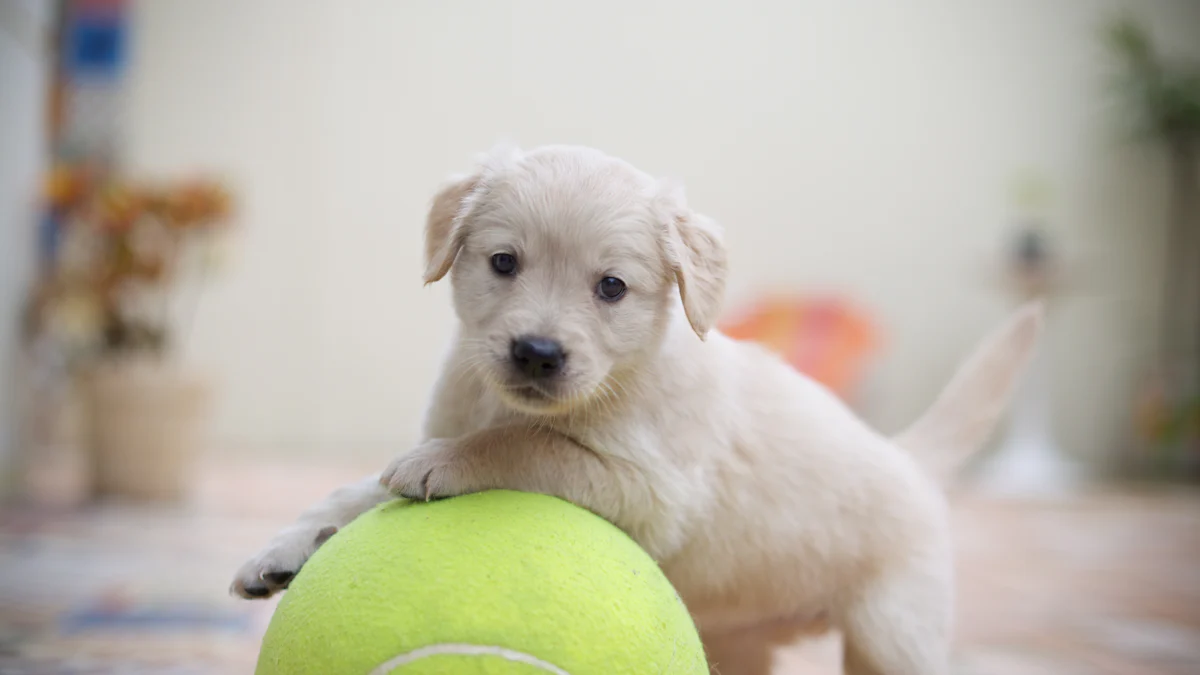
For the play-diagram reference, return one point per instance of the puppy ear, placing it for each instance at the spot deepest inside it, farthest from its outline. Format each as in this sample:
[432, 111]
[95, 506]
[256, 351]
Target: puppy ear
[443, 225]
[696, 254]
[444, 233]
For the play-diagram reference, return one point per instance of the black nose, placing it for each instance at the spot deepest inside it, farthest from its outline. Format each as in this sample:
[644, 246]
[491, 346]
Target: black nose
[537, 356]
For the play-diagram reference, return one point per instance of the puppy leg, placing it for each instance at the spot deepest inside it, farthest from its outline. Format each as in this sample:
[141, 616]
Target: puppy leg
[899, 626]
[273, 568]
[751, 649]
[545, 461]
[739, 653]
[512, 458]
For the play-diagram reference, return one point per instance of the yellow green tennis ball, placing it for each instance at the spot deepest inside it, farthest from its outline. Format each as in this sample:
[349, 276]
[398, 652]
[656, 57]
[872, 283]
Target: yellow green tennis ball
[495, 583]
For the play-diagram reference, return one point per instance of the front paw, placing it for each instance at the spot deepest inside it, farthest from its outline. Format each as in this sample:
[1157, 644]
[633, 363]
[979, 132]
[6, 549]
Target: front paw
[273, 569]
[433, 470]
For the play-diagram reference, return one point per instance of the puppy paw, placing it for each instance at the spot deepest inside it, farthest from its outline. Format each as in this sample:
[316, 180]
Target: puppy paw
[274, 568]
[433, 470]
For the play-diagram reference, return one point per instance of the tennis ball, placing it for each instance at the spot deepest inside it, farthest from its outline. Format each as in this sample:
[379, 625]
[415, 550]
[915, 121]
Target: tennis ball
[494, 583]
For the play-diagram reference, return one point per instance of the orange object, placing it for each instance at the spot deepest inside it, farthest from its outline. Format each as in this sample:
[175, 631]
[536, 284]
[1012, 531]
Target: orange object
[825, 338]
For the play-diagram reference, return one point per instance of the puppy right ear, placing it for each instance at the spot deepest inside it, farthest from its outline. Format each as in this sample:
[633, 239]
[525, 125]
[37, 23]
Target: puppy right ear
[443, 226]
[444, 235]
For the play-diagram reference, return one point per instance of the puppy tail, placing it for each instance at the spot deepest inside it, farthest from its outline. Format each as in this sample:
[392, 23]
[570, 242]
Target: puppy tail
[965, 413]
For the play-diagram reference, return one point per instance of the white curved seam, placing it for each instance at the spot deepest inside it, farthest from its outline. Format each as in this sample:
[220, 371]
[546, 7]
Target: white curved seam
[466, 650]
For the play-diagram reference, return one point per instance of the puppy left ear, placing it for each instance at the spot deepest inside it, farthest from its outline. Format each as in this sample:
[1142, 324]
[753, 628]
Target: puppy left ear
[696, 254]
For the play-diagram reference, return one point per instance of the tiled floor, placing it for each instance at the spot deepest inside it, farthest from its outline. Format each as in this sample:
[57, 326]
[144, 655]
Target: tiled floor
[1108, 584]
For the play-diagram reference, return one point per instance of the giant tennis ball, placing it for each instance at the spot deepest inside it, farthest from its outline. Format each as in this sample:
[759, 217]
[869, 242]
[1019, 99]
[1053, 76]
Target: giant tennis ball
[495, 583]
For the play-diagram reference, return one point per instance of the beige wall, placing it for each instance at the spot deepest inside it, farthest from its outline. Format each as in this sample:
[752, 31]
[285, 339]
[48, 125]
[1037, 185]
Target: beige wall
[864, 146]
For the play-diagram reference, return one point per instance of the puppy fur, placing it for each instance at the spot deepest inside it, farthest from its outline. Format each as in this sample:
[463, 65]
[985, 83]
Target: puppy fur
[769, 505]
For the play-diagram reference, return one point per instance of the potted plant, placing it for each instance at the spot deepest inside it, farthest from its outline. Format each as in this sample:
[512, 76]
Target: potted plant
[117, 254]
[1162, 98]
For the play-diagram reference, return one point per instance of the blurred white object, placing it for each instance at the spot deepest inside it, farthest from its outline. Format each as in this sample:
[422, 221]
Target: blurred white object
[24, 74]
[1029, 463]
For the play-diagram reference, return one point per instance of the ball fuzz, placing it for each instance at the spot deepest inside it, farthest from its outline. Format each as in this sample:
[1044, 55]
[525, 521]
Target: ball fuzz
[495, 583]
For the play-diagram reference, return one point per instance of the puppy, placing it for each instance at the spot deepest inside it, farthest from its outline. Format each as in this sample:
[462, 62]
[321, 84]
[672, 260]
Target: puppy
[585, 367]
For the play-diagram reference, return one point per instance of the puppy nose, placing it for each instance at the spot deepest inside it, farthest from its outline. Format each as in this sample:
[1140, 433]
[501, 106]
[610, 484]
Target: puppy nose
[537, 356]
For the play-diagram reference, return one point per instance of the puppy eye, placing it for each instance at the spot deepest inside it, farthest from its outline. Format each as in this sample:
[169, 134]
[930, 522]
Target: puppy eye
[504, 263]
[610, 288]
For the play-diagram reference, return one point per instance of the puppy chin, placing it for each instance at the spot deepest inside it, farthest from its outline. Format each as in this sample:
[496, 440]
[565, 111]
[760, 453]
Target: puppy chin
[538, 398]
[532, 399]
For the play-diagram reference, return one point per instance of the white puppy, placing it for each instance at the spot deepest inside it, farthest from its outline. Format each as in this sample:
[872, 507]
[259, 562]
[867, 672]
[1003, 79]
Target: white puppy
[585, 367]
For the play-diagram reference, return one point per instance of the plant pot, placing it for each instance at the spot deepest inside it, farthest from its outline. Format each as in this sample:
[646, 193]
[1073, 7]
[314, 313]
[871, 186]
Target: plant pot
[149, 422]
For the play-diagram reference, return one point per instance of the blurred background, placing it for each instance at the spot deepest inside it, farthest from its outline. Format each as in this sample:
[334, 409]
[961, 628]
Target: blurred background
[211, 310]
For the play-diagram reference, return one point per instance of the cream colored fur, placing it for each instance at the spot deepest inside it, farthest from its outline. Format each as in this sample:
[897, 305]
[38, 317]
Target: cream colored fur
[770, 506]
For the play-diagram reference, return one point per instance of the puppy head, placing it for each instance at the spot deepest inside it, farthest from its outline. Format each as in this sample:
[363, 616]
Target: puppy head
[565, 264]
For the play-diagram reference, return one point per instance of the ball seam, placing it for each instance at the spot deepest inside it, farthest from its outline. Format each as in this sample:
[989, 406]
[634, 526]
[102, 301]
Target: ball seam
[462, 649]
